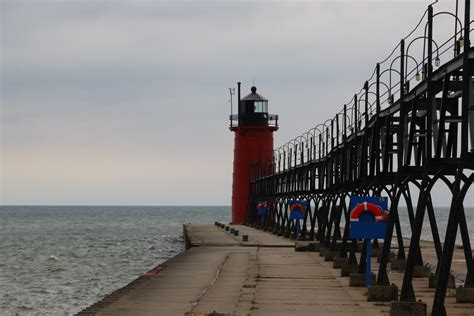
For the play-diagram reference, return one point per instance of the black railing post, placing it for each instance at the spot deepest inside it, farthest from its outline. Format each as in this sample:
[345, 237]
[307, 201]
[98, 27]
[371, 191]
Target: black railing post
[327, 141]
[302, 150]
[296, 155]
[332, 134]
[466, 83]
[377, 89]
[290, 156]
[401, 122]
[279, 162]
[431, 103]
[320, 143]
[356, 116]
[402, 69]
[366, 89]
[345, 122]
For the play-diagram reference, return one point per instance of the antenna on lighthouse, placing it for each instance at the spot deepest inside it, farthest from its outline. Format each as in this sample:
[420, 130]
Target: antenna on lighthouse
[231, 92]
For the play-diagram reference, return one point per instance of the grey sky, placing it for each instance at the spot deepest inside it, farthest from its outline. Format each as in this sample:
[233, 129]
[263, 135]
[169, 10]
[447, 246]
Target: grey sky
[126, 102]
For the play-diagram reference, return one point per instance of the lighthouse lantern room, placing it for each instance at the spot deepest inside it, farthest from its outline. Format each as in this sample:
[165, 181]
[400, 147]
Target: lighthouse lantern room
[253, 143]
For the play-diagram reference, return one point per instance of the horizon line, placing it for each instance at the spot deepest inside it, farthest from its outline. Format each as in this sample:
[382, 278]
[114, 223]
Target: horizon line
[161, 205]
[178, 205]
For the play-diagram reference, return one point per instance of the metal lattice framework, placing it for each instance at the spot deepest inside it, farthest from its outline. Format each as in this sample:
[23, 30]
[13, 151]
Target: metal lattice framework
[378, 145]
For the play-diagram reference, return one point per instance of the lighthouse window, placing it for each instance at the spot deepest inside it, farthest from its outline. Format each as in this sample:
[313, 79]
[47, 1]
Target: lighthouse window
[249, 106]
[261, 106]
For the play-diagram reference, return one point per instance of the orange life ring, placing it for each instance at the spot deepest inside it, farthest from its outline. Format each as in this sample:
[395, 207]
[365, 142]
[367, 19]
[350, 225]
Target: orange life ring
[367, 207]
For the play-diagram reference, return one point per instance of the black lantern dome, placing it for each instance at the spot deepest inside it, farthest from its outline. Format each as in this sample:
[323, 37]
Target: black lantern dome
[253, 109]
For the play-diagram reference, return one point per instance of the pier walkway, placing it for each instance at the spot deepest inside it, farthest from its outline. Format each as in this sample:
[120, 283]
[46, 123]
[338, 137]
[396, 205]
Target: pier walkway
[221, 275]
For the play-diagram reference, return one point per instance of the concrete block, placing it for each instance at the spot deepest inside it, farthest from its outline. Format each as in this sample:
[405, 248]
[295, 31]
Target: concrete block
[360, 246]
[313, 246]
[348, 269]
[357, 247]
[329, 255]
[301, 246]
[400, 308]
[391, 256]
[338, 262]
[398, 264]
[358, 279]
[421, 272]
[465, 295]
[375, 252]
[337, 245]
[433, 280]
[377, 293]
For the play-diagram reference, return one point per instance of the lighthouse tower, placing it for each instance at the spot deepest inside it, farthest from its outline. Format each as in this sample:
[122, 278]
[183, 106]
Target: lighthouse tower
[253, 143]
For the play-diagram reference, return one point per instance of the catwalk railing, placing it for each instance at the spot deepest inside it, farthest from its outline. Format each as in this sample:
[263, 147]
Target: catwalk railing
[390, 139]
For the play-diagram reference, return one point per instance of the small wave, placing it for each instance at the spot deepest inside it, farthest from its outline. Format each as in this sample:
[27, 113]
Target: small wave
[41, 291]
[24, 308]
[14, 267]
[169, 238]
[75, 255]
[52, 257]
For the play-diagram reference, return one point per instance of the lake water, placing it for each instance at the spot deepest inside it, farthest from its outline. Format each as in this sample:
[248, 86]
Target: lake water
[57, 260]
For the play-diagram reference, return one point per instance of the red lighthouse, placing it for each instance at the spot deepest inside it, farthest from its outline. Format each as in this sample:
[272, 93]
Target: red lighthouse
[253, 143]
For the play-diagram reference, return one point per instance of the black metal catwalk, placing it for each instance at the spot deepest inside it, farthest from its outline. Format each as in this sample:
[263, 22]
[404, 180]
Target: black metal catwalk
[378, 145]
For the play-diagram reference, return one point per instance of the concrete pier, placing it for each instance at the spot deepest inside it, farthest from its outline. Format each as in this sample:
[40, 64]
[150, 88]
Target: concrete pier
[220, 274]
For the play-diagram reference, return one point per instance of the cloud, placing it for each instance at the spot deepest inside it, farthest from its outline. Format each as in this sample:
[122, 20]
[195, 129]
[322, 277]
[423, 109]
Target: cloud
[93, 92]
